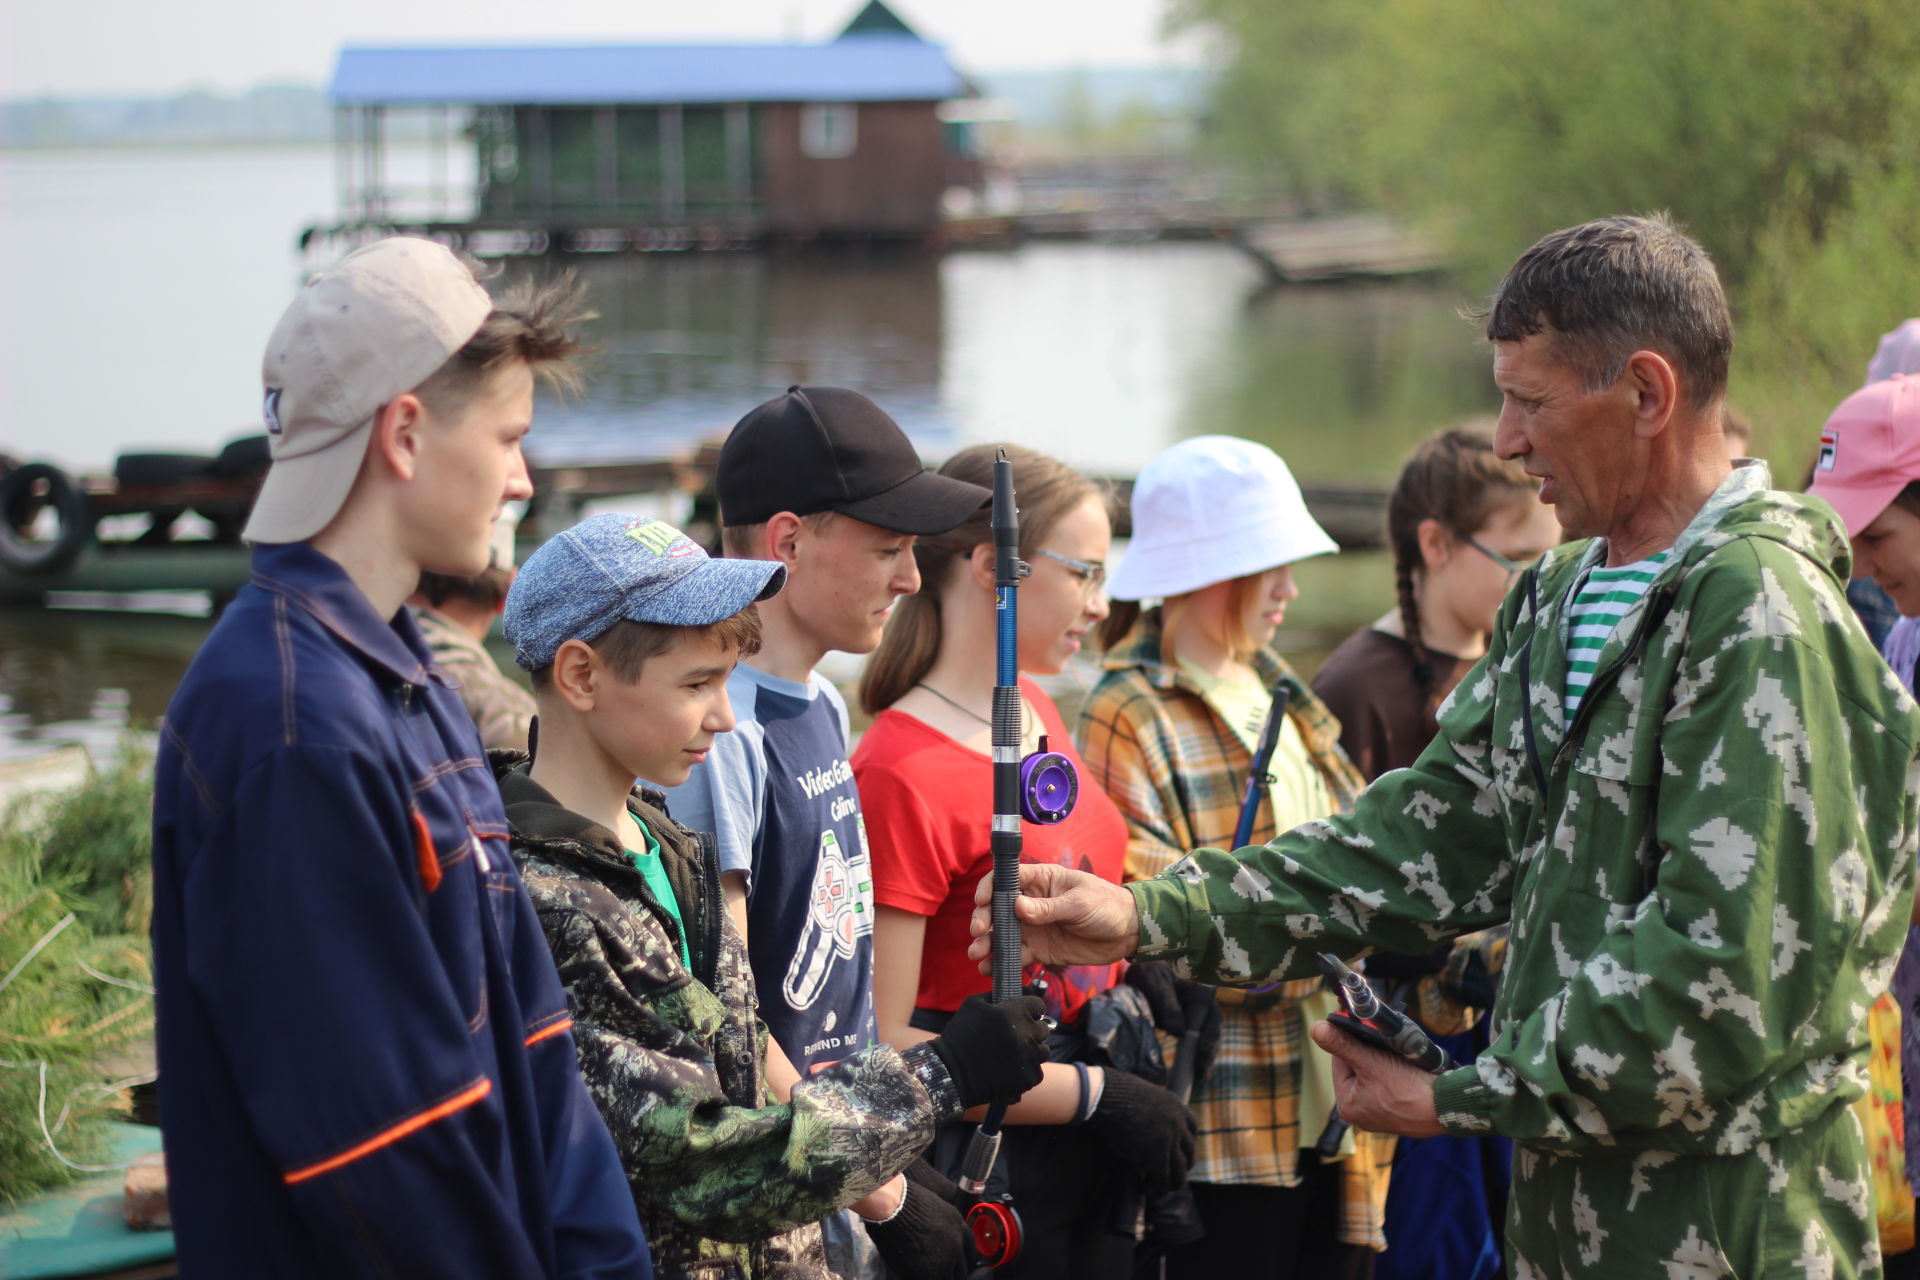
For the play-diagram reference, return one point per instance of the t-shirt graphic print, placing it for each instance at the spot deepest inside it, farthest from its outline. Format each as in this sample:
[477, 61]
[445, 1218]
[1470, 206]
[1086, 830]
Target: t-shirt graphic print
[810, 905]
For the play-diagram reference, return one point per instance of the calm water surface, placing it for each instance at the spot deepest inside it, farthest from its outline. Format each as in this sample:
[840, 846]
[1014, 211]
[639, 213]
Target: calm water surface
[139, 288]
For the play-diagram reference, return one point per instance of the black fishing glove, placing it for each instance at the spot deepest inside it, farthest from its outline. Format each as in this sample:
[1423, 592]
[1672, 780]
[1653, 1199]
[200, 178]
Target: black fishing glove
[994, 1051]
[1180, 1005]
[928, 1239]
[1147, 1130]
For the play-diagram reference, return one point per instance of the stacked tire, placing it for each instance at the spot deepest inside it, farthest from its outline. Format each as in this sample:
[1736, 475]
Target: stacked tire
[27, 494]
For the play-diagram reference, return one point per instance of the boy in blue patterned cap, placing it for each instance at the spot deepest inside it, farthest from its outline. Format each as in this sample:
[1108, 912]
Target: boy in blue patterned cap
[630, 632]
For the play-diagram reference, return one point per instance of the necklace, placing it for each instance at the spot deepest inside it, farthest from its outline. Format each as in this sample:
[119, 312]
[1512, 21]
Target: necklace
[965, 711]
[1026, 719]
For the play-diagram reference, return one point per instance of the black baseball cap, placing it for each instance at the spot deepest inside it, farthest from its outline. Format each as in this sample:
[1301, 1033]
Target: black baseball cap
[831, 449]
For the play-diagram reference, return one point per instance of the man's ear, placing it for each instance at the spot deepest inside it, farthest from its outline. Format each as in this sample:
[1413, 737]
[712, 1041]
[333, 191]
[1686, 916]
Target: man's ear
[1436, 544]
[785, 532]
[576, 673]
[396, 435]
[1654, 385]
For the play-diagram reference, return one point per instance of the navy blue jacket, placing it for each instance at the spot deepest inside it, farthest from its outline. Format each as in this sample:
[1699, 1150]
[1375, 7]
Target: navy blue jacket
[365, 1062]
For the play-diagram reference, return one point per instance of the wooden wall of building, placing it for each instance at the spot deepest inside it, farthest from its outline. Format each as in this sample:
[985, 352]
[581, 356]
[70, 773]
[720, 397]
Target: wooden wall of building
[890, 186]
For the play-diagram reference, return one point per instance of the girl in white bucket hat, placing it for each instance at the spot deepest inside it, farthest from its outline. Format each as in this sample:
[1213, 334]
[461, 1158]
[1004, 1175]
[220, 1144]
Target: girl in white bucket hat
[1169, 733]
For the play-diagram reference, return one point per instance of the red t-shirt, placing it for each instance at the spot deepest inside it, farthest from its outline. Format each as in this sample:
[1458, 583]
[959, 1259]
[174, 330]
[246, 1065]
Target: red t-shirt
[928, 803]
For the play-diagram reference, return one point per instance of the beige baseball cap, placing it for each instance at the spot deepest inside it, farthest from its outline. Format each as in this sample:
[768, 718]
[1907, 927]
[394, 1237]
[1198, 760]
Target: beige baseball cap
[378, 324]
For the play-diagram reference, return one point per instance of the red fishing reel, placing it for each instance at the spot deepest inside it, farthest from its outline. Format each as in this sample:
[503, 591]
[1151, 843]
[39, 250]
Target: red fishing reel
[995, 1228]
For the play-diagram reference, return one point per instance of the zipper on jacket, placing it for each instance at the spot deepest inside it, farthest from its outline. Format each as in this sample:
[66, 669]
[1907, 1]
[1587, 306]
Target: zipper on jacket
[712, 908]
[701, 907]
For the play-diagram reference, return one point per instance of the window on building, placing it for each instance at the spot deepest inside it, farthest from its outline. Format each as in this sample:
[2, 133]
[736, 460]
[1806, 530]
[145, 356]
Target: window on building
[829, 130]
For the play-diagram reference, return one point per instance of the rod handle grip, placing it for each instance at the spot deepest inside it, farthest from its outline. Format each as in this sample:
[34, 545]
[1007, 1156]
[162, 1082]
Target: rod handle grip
[983, 1150]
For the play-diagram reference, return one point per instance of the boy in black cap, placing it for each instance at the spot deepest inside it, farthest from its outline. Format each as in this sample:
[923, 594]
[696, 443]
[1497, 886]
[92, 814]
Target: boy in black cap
[823, 481]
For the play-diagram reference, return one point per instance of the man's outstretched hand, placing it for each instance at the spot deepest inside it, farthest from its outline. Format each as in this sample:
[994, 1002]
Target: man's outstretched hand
[1066, 917]
[1377, 1091]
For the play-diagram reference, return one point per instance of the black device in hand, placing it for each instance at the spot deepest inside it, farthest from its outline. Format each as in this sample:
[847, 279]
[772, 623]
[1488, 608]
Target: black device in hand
[1367, 1019]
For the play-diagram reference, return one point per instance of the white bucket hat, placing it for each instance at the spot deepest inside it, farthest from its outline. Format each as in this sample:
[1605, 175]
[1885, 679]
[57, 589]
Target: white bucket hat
[1211, 509]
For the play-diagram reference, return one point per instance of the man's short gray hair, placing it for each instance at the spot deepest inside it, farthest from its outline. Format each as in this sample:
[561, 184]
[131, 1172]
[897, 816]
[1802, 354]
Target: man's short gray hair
[1608, 288]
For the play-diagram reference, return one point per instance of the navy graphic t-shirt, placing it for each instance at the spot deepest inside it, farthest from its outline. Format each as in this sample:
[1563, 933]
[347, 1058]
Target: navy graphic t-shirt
[778, 795]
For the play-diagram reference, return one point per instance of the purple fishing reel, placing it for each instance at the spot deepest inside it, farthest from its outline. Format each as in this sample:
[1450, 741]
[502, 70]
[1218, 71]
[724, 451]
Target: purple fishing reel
[1049, 786]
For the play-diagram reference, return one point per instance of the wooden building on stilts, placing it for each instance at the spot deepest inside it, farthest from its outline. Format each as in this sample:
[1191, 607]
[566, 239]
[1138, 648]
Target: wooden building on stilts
[650, 146]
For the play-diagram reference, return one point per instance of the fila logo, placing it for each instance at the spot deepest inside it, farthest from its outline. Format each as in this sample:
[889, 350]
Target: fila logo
[1829, 449]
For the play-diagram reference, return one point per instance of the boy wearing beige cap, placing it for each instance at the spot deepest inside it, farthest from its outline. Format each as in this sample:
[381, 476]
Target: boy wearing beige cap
[365, 1065]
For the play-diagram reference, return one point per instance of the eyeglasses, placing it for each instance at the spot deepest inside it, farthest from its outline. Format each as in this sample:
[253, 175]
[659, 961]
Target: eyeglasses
[1514, 568]
[1091, 573]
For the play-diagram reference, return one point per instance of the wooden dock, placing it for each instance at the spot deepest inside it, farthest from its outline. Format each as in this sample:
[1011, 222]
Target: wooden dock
[1353, 516]
[1332, 250]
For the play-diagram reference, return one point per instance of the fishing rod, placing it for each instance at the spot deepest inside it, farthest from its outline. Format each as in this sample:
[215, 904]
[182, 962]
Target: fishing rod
[1040, 788]
[1262, 761]
[1370, 1020]
[1258, 780]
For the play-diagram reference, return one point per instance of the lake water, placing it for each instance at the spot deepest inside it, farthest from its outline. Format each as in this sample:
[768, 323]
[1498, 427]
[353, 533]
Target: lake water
[139, 287]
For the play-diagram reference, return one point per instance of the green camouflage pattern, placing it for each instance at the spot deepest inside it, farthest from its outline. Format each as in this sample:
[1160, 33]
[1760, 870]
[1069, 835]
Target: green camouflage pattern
[501, 709]
[1705, 900]
[728, 1182]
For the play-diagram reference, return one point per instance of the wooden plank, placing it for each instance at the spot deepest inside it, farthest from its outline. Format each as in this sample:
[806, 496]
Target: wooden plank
[1320, 249]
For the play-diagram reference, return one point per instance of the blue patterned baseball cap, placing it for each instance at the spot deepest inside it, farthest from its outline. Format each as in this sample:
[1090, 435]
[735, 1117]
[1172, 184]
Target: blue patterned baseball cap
[611, 567]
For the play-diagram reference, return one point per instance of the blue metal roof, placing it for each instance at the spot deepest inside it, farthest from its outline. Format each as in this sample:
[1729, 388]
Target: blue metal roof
[860, 68]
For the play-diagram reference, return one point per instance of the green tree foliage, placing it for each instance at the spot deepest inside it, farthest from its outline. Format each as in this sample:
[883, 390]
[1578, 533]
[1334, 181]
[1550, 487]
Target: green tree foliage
[1781, 133]
[75, 894]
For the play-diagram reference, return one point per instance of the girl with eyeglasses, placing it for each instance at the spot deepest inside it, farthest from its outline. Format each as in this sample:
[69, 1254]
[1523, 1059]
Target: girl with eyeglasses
[1463, 525]
[1086, 1136]
[1169, 732]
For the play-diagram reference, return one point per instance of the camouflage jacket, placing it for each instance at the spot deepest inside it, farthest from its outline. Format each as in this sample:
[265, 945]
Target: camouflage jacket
[1707, 872]
[729, 1183]
[500, 707]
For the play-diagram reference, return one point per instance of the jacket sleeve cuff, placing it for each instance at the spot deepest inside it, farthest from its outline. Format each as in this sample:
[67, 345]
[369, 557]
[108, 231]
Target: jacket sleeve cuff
[1464, 1102]
[1164, 905]
[924, 1062]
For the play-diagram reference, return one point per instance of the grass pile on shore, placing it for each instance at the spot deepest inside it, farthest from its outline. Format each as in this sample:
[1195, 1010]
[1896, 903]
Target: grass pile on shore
[75, 898]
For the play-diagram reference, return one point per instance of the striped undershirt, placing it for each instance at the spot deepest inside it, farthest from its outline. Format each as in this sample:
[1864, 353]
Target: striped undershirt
[1597, 608]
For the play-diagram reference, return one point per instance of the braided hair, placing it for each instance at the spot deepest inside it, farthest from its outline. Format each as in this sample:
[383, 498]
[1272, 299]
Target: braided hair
[1455, 479]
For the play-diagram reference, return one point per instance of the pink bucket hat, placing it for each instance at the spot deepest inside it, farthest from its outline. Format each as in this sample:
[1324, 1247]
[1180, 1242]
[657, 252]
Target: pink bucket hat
[1870, 450]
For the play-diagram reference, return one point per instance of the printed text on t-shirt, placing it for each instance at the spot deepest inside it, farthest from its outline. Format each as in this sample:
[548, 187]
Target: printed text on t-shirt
[816, 782]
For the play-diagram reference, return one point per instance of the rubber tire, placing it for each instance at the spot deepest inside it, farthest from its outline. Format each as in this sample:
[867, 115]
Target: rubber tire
[161, 468]
[76, 519]
[243, 457]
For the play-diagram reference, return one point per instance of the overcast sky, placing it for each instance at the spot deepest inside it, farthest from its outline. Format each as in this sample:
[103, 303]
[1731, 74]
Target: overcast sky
[107, 47]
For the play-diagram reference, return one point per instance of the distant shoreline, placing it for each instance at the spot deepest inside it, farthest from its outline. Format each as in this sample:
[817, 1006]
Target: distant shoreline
[166, 144]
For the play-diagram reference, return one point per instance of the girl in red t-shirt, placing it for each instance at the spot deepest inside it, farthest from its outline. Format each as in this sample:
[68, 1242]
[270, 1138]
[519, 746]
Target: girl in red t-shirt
[925, 775]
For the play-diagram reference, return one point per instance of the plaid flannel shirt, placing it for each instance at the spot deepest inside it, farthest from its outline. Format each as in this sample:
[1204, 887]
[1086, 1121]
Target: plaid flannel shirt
[1177, 771]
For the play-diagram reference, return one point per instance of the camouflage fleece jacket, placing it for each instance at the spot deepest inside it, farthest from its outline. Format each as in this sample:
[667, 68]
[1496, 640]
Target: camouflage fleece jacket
[1708, 872]
[729, 1183]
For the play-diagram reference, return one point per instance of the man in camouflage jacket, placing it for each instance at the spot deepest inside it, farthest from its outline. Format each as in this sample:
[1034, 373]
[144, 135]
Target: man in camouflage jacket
[730, 1184]
[1708, 869]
